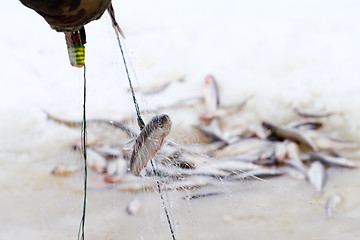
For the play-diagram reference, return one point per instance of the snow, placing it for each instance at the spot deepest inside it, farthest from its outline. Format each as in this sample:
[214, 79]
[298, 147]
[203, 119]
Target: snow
[287, 53]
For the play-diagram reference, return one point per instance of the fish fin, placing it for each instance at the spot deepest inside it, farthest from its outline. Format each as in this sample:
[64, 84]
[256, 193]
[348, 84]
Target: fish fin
[129, 145]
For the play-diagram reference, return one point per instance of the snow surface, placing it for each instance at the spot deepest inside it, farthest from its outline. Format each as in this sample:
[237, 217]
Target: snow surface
[287, 53]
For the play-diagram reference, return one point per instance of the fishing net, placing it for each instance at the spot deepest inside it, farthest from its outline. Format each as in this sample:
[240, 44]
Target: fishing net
[252, 153]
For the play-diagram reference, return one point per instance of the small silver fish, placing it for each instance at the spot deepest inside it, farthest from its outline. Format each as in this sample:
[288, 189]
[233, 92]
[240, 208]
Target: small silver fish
[332, 203]
[108, 151]
[209, 135]
[211, 94]
[317, 175]
[209, 170]
[294, 159]
[125, 178]
[314, 114]
[267, 154]
[234, 166]
[291, 134]
[207, 149]
[96, 161]
[133, 207]
[294, 173]
[65, 170]
[131, 183]
[149, 142]
[203, 195]
[323, 141]
[190, 157]
[305, 124]
[77, 124]
[255, 131]
[247, 146]
[332, 161]
[117, 167]
[191, 183]
[258, 174]
[154, 89]
[280, 152]
[169, 172]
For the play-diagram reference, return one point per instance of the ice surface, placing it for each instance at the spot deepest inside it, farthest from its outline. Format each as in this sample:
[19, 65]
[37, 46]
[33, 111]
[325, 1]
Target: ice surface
[286, 53]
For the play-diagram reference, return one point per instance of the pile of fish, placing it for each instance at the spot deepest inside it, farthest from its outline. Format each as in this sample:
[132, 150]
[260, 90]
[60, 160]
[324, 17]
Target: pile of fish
[298, 149]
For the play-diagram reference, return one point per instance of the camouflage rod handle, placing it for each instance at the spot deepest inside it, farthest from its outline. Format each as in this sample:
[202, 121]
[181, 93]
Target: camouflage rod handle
[68, 15]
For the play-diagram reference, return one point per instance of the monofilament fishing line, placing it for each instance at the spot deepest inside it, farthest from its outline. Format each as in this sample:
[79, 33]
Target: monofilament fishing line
[83, 150]
[141, 126]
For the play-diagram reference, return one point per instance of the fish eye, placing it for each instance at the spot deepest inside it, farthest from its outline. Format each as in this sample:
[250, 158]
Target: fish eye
[160, 124]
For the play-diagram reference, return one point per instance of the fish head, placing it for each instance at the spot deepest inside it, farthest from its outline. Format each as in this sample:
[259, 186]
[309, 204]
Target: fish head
[211, 94]
[162, 124]
[165, 124]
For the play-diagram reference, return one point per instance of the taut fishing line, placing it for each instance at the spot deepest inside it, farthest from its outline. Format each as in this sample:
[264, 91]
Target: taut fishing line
[139, 119]
[141, 126]
[163, 202]
[83, 150]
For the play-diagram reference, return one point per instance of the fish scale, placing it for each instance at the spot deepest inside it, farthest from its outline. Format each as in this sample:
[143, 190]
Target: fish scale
[148, 143]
